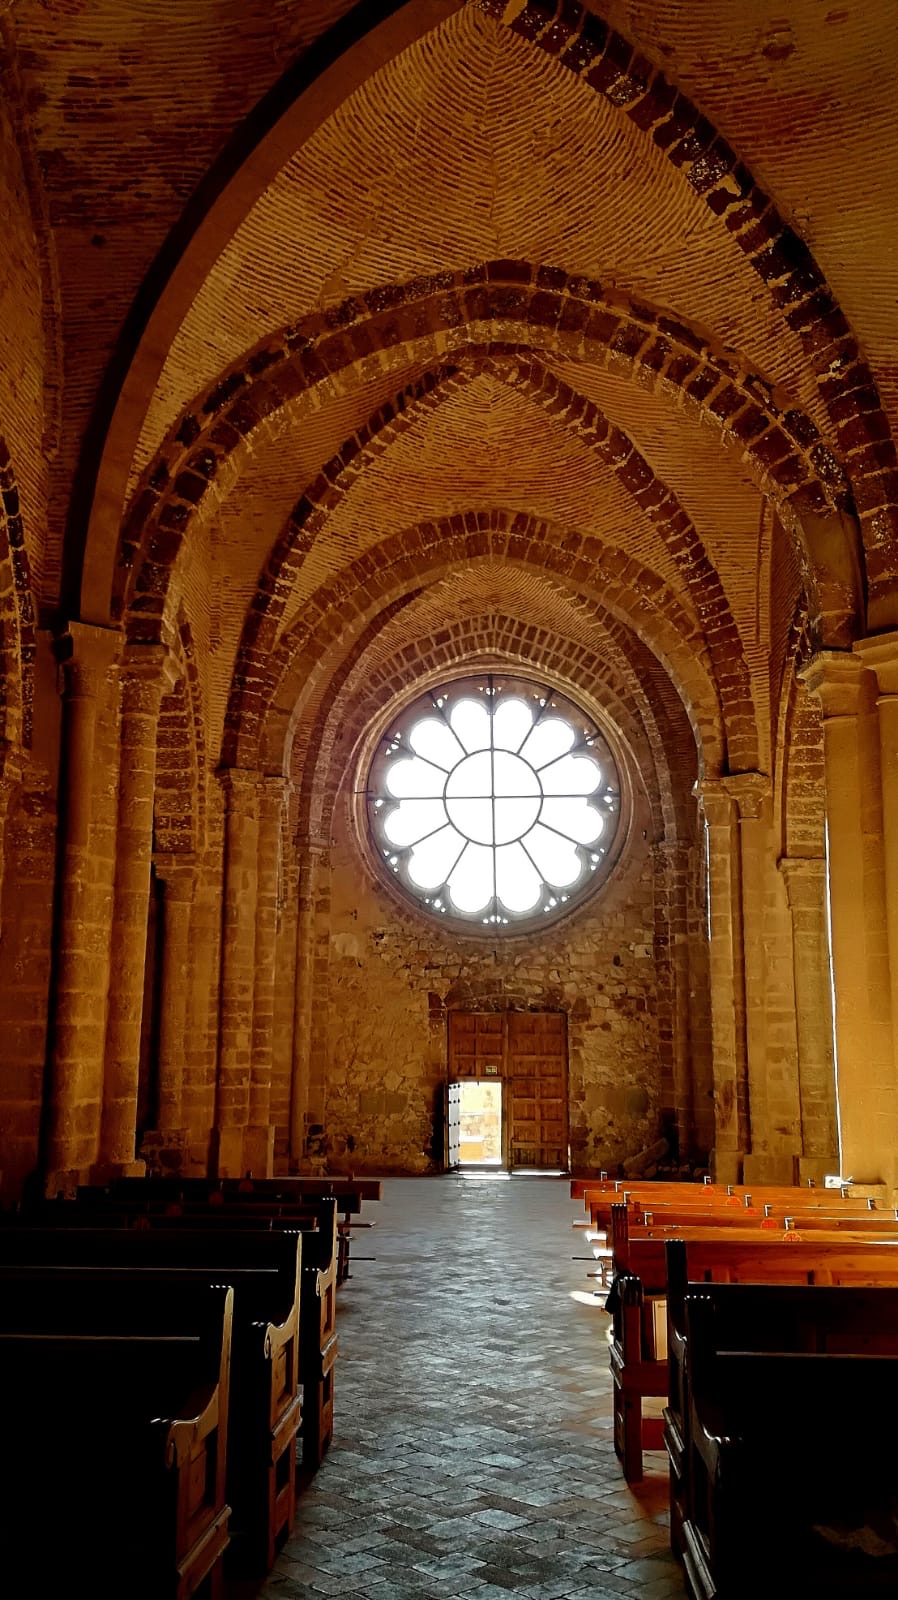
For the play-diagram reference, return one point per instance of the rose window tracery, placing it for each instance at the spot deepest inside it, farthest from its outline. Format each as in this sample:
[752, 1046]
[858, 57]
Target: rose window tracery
[494, 801]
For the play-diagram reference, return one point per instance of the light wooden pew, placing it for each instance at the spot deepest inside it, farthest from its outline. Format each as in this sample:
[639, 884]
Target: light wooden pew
[770, 1220]
[789, 1454]
[115, 1420]
[639, 1301]
[800, 1202]
[628, 1226]
[702, 1204]
[587, 1188]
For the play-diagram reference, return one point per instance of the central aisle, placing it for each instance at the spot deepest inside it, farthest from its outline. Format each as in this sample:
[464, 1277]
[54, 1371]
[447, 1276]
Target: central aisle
[472, 1451]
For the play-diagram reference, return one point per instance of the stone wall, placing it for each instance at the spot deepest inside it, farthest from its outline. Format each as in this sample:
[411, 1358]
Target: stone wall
[392, 980]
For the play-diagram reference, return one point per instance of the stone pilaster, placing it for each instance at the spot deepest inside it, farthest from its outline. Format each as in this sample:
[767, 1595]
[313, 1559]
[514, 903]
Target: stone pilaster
[260, 1134]
[10, 783]
[86, 655]
[313, 864]
[772, 1154]
[880, 655]
[146, 674]
[730, 1070]
[238, 957]
[178, 874]
[671, 869]
[805, 880]
[867, 1092]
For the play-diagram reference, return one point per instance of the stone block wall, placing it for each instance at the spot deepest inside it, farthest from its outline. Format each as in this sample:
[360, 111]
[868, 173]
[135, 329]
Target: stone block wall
[392, 979]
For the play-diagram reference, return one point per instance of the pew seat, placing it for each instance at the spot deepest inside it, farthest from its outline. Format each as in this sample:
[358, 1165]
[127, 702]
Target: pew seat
[140, 1205]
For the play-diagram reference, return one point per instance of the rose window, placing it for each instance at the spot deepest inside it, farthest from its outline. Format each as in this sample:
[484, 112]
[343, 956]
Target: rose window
[494, 801]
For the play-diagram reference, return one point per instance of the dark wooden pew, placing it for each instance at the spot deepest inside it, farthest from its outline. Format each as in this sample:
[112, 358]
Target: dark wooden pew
[115, 1423]
[317, 1220]
[264, 1272]
[349, 1193]
[791, 1465]
[766, 1316]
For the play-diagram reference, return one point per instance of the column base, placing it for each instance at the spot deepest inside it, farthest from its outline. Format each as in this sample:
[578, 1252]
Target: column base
[776, 1169]
[237, 1151]
[818, 1168]
[258, 1151]
[227, 1152]
[63, 1184]
[726, 1166]
[165, 1151]
[882, 1193]
[109, 1171]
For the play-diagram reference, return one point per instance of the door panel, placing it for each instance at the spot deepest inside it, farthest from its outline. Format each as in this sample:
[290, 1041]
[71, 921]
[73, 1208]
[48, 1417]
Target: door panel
[537, 1071]
[528, 1049]
[453, 1124]
[476, 1044]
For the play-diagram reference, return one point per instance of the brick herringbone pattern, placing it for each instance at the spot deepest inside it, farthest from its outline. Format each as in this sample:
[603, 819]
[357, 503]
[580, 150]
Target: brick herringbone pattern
[473, 1451]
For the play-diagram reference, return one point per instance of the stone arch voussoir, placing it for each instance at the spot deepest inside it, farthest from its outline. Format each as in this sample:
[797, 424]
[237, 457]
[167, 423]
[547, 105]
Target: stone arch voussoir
[359, 693]
[510, 308]
[567, 409]
[606, 579]
[590, 48]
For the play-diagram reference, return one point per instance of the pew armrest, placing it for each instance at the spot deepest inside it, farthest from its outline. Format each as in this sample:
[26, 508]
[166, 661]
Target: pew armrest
[185, 1433]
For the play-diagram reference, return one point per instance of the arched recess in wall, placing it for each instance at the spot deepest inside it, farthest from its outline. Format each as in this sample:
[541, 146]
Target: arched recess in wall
[370, 678]
[333, 728]
[614, 69]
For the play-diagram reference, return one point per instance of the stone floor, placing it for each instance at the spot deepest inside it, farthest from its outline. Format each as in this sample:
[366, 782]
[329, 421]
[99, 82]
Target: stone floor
[472, 1451]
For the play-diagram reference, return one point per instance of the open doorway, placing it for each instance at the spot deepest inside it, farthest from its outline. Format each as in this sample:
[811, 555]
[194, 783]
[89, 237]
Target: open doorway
[521, 1058]
[480, 1123]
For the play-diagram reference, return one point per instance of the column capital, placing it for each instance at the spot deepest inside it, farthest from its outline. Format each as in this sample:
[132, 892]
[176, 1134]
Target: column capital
[178, 870]
[836, 677]
[239, 785]
[273, 791]
[750, 790]
[149, 663]
[879, 652]
[716, 801]
[86, 653]
[805, 878]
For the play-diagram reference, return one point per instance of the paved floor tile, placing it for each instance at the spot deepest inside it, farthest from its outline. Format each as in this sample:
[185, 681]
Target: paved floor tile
[473, 1450]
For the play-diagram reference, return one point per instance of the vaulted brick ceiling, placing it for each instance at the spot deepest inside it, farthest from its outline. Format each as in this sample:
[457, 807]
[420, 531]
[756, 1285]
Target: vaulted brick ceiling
[474, 142]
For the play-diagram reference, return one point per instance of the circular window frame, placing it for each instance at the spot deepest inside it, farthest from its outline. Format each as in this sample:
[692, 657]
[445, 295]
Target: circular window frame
[495, 921]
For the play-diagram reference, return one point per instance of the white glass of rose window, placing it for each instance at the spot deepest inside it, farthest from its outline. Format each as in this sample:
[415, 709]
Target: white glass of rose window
[496, 803]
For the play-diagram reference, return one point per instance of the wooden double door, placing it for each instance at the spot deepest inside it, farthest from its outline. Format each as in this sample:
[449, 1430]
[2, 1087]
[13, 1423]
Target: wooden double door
[527, 1050]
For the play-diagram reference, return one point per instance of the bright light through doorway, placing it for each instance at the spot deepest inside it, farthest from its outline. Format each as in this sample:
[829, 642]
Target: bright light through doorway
[480, 1130]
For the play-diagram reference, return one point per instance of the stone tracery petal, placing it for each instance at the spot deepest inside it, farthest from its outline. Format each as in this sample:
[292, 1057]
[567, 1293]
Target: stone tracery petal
[413, 820]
